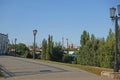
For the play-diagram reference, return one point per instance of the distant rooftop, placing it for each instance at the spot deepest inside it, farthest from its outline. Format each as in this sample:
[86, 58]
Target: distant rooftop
[4, 34]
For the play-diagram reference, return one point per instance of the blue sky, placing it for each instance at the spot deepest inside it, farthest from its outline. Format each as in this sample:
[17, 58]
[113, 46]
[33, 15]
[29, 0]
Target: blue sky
[60, 18]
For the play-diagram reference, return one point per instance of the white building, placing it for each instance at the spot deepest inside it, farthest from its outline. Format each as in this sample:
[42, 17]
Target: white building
[3, 43]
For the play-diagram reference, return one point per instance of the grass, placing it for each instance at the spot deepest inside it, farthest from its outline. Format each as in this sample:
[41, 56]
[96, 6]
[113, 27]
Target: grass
[1, 74]
[92, 69]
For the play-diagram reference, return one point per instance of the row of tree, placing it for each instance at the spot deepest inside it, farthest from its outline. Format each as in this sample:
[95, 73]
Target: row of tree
[18, 49]
[93, 51]
[97, 52]
[52, 51]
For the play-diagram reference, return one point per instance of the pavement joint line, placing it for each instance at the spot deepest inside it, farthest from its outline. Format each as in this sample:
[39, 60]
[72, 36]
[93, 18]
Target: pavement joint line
[6, 72]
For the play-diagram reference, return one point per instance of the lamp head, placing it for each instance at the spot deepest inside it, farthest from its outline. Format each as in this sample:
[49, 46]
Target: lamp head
[35, 32]
[112, 12]
[118, 9]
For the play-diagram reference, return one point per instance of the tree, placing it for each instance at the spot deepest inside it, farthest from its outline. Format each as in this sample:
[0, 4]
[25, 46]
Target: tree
[106, 51]
[94, 48]
[28, 55]
[96, 52]
[109, 50]
[88, 50]
[67, 58]
[84, 38]
[11, 47]
[21, 48]
[119, 44]
[49, 48]
[44, 47]
[57, 53]
[83, 56]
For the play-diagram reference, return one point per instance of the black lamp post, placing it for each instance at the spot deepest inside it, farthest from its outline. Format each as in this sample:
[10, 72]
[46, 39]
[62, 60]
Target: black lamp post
[115, 18]
[34, 33]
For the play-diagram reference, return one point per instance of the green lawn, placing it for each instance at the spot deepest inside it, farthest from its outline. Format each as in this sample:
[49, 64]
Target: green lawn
[1, 74]
[92, 69]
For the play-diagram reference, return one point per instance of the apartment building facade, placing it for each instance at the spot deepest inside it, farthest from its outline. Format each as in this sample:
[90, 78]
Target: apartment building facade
[3, 43]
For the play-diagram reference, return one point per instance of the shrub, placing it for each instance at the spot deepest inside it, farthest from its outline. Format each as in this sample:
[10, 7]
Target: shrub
[67, 58]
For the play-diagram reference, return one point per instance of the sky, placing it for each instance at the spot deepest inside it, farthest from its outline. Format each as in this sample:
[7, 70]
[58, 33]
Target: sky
[59, 18]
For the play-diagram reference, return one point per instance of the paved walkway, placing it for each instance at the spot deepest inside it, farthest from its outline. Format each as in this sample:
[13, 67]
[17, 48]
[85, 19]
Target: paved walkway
[26, 69]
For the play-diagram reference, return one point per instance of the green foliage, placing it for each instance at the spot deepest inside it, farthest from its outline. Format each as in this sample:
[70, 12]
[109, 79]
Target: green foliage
[97, 52]
[101, 52]
[84, 38]
[57, 53]
[44, 47]
[28, 55]
[21, 48]
[119, 45]
[1, 74]
[67, 58]
[49, 48]
[51, 51]
[109, 47]
[51, 45]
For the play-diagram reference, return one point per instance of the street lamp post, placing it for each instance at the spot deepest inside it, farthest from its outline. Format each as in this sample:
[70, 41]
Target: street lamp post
[34, 33]
[115, 18]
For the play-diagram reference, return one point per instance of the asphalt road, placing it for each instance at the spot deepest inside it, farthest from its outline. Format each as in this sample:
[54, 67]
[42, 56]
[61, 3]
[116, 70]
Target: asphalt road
[27, 69]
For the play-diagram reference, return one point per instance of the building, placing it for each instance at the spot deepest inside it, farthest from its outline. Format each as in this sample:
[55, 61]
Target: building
[3, 43]
[66, 43]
